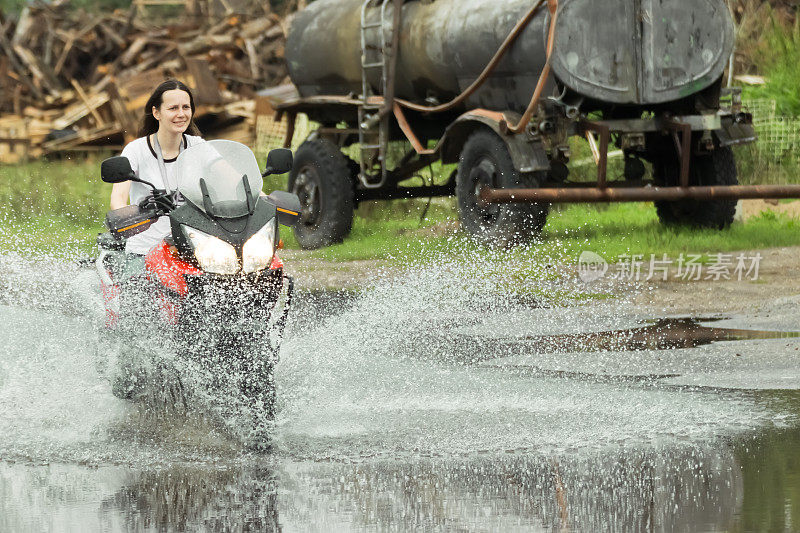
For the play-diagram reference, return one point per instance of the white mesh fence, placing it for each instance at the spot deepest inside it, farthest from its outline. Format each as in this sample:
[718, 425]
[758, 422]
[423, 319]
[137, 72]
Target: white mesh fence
[778, 136]
[271, 133]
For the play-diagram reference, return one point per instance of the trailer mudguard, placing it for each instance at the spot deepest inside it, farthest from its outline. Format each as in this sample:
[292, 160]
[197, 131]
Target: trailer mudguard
[735, 131]
[528, 155]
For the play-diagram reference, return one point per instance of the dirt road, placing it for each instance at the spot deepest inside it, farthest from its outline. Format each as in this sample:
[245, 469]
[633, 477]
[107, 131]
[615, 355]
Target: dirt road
[778, 276]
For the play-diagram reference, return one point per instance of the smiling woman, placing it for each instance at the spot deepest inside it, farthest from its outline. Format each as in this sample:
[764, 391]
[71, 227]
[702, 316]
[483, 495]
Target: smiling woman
[167, 129]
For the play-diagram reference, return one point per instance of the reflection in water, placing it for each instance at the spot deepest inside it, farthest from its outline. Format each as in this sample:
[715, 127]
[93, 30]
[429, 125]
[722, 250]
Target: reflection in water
[186, 498]
[637, 491]
[770, 466]
[749, 485]
[179, 498]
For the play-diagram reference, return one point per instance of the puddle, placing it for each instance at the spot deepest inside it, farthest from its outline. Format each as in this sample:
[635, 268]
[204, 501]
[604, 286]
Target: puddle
[665, 334]
[678, 351]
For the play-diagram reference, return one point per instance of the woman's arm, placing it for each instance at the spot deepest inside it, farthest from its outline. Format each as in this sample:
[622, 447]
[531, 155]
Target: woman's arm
[119, 194]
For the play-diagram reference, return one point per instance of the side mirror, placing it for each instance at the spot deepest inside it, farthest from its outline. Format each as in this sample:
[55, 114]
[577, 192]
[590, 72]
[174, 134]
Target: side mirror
[116, 170]
[287, 205]
[279, 161]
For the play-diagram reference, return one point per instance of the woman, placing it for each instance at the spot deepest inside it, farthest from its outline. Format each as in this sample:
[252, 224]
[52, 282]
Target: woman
[167, 130]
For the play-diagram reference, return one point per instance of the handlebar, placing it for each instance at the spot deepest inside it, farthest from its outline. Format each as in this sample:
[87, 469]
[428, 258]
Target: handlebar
[161, 201]
[134, 219]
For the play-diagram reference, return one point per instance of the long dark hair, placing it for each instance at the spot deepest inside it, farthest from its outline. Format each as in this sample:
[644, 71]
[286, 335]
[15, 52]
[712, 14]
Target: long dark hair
[149, 123]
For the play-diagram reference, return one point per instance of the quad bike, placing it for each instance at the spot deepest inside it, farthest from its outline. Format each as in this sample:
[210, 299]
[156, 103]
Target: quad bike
[201, 320]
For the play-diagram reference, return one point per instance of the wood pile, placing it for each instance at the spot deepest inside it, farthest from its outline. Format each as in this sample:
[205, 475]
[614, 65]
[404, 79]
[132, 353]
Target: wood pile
[72, 81]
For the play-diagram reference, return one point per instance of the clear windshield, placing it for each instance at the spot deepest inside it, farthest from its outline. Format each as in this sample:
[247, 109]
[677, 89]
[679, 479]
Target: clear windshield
[220, 165]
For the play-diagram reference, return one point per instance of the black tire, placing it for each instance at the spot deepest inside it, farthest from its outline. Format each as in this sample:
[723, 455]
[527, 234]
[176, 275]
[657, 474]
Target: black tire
[128, 384]
[321, 178]
[485, 161]
[716, 168]
[259, 394]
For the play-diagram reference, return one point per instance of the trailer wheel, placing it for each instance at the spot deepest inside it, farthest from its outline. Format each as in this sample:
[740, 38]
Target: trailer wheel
[321, 178]
[485, 161]
[716, 168]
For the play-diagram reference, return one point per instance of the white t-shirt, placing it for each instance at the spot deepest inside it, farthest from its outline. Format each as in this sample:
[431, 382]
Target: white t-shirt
[144, 163]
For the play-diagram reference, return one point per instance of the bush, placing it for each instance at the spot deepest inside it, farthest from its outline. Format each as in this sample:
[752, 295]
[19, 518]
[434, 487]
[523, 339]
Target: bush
[777, 52]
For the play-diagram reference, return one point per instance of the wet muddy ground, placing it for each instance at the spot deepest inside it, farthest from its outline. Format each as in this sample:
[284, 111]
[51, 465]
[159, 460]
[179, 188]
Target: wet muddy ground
[423, 402]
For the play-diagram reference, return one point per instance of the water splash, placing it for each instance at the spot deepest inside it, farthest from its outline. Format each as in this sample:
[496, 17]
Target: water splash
[391, 373]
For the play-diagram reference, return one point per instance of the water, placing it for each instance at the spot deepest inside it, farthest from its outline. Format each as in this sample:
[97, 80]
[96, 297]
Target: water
[435, 401]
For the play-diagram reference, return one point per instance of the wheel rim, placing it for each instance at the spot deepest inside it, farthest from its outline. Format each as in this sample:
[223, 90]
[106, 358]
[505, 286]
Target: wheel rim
[306, 187]
[484, 174]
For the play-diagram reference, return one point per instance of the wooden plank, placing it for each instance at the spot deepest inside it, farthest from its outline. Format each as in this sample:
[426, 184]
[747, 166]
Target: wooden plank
[204, 83]
[280, 94]
[85, 99]
[155, 60]
[81, 137]
[122, 113]
[204, 43]
[252, 56]
[18, 67]
[17, 99]
[42, 114]
[64, 52]
[275, 32]
[132, 85]
[78, 110]
[12, 141]
[14, 132]
[47, 56]
[24, 26]
[223, 63]
[242, 108]
[256, 27]
[112, 35]
[220, 27]
[136, 47]
[39, 70]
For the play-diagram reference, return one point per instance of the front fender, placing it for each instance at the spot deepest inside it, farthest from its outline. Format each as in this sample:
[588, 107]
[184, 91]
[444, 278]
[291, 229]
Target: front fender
[527, 155]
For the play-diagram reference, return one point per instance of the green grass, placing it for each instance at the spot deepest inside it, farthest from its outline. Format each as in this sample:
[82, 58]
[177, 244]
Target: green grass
[54, 236]
[610, 231]
[52, 207]
[71, 189]
[634, 229]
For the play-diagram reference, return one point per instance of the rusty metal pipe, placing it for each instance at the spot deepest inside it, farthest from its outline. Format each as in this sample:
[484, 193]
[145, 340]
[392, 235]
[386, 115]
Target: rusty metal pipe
[291, 120]
[630, 194]
[537, 92]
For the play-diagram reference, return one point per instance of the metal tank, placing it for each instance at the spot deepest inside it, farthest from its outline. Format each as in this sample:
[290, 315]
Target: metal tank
[611, 52]
[501, 87]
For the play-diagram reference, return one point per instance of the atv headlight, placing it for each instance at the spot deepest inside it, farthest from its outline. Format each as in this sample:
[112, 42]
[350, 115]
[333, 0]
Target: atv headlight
[213, 255]
[259, 249]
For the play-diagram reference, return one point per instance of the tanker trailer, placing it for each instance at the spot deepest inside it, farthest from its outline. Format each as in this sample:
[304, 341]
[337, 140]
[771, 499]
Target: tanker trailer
[498, 87]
